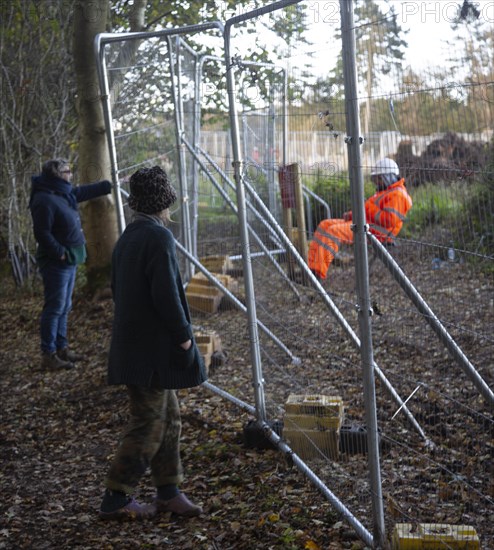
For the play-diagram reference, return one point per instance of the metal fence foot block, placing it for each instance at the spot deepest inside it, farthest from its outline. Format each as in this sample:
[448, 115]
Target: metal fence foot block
[254, 436]
[353, 439]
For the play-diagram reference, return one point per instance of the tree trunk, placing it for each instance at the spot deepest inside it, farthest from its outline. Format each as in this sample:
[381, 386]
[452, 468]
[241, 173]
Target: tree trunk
[99, 216]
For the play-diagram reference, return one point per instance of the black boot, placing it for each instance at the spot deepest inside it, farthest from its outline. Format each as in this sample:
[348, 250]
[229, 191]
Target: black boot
[51, 361]
[68, 355]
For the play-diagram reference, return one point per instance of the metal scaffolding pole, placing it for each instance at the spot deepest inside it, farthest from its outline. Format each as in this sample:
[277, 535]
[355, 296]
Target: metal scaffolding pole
[359, 228]
[175, 66]
[242, 212]
[233, 207]
[99, 50]
[432, 319]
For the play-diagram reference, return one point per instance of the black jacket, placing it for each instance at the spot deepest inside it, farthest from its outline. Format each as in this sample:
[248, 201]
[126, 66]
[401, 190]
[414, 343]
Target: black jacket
[151, 317]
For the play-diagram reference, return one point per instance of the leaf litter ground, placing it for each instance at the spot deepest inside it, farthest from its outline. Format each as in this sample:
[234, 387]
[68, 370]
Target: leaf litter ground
[58, 431]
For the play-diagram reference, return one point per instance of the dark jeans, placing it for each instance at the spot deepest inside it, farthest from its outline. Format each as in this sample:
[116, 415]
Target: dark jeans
[58, 282]
[152, 439]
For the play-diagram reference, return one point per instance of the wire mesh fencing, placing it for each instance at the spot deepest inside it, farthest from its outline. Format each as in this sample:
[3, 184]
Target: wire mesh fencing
[431, 288]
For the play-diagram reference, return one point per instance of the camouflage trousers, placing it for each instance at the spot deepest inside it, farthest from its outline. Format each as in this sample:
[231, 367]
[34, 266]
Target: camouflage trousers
[151, 440]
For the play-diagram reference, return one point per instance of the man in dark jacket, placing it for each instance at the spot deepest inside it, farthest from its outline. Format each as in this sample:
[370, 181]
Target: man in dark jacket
[152, 352]
[61, 247]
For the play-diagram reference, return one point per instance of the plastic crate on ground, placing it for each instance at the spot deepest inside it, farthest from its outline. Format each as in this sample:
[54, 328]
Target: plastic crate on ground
[434, 536]
[312, 425]
[322, 406]
[208, 342]
[203, 296]
[216, 264]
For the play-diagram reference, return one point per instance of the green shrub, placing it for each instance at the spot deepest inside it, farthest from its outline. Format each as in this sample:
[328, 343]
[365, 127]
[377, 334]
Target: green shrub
[480, 210]
[335, 191]
[433, 204]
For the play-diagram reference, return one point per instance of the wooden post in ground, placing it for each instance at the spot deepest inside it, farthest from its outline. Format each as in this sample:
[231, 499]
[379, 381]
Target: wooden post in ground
[301, 241]
[292, 198]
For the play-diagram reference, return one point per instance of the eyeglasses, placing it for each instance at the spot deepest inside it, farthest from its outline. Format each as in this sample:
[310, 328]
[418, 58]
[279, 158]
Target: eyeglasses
[66, 172]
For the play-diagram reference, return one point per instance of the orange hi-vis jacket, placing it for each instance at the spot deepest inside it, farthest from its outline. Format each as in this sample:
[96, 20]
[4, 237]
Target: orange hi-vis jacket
[385, 213]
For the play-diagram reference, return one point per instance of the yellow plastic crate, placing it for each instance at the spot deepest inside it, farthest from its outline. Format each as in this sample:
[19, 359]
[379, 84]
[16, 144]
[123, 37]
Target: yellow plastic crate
[314, 405]
[216, 264]
[434, 536]
[312, 424]
[203, 304]
[205, 345]
[308, 421]
[313, 443]
[200, 281]
[208, 342]
[203, 290]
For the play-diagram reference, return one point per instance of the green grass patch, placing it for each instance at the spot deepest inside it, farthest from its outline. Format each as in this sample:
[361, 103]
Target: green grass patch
[433, 204]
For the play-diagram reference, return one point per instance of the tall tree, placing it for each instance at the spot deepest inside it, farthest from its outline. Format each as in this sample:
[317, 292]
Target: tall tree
[475, 32]
[51, 105]
[91, 18]
[381, 46]
[36, 111]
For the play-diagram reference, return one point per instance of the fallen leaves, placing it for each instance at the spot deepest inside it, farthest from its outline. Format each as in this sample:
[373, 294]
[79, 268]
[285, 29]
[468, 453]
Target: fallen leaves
[58, 431]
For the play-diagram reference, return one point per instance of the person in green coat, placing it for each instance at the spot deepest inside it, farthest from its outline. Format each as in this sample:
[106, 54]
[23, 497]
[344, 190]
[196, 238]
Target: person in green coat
[152, 352]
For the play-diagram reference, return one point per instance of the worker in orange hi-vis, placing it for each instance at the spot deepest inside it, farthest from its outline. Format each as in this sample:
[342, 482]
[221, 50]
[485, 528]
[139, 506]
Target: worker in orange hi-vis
[385, 213]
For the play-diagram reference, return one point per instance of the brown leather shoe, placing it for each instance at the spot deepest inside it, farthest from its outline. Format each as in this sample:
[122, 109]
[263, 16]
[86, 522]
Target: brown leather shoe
[131, 511]
[179, 505]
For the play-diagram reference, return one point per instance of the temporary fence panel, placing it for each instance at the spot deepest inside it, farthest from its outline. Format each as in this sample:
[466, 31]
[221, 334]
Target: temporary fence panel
[435, 449]
[437, 124]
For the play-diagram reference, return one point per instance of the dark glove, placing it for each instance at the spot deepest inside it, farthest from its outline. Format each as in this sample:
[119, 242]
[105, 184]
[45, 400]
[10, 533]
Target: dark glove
[107, 185]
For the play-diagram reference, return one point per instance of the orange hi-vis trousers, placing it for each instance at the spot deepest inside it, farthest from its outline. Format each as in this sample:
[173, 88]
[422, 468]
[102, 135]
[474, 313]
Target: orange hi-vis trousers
[385, 213]
[327, 239]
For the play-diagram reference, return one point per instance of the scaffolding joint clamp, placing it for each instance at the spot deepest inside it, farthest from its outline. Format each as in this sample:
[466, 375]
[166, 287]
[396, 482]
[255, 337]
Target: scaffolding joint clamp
[349, 140]
[236, 60]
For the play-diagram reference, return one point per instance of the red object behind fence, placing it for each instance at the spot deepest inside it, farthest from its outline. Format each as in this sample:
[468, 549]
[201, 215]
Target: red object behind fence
[286, 176]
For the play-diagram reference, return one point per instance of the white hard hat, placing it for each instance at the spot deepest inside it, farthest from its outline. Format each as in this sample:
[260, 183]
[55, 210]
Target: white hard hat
[385, 166]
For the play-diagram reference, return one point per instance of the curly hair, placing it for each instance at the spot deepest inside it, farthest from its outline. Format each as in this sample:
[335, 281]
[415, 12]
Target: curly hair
[150, 191]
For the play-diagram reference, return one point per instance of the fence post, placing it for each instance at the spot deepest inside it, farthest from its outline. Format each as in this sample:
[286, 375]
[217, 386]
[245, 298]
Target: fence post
[110, 136]
[238, 176]
[176, 85]
[300, 214]
[359, 228]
